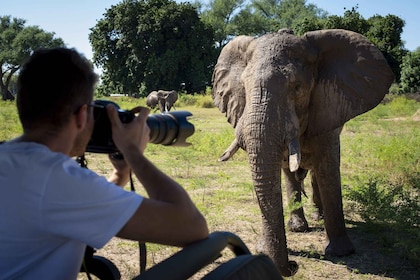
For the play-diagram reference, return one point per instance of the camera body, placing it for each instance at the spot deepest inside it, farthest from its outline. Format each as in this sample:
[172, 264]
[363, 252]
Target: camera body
[170, 128]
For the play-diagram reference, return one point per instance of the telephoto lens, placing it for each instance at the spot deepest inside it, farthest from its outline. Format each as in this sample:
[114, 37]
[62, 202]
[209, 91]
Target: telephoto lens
[170, 128]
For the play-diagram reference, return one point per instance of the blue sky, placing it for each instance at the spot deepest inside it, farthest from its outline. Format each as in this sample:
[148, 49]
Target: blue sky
[71, 20]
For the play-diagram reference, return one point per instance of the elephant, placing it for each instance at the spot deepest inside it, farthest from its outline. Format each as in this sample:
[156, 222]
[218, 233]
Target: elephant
[165, 99]
[152, 99]
[288, 97]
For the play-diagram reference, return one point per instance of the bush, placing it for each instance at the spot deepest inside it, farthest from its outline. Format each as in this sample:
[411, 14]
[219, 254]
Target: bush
[197, 100]
[392, 210]
[205, 101]
[410, 68]
[187, 99]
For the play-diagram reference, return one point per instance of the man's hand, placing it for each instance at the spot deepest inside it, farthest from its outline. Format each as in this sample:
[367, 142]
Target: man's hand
[133, 135]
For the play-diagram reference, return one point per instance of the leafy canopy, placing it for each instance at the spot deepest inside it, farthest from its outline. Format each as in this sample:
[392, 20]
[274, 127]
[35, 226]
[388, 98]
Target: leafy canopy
[155, 44]
[232, 17]
[17, 42]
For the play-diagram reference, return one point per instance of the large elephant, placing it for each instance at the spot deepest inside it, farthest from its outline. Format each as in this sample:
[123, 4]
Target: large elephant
[165, 99]
[287, 98]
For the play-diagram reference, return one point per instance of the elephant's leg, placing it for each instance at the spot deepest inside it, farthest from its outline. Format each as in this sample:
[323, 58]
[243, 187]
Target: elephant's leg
[327, 173]
[297, 221]
[316, 198]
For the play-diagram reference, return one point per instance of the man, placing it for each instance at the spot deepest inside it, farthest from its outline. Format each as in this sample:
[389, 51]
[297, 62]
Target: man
[50, 207]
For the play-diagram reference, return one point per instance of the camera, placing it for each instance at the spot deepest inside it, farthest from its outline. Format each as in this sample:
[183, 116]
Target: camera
[170, 128]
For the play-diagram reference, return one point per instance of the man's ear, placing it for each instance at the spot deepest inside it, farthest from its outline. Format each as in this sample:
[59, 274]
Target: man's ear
[81, 117]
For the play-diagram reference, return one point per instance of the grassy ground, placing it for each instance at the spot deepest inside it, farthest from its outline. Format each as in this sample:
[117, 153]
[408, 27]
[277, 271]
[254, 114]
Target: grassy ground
[382, 144]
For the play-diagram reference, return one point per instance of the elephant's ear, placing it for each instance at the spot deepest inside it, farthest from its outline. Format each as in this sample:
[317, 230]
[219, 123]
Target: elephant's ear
[353, 77]
[228, 90]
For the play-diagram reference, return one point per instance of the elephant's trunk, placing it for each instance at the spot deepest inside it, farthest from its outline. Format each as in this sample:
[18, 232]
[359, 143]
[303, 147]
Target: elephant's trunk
[266, 178]
[270, 130]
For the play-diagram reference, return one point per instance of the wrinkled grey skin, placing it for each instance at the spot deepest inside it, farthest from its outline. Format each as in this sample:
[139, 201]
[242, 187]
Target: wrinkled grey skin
[287, 98]
[165, 99]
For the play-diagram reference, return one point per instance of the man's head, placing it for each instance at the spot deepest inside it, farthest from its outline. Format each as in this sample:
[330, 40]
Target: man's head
[52, 85]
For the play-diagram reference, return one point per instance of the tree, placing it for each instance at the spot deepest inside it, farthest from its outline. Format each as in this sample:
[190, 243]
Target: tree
[351, 20]
[17, 42]
[220, 15]
[385, 33]
[410, 72]
[288, 14]
[152, 44]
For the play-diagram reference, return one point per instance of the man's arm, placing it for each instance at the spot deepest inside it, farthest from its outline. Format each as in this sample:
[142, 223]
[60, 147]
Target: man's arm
[168, 216]
[121, 173]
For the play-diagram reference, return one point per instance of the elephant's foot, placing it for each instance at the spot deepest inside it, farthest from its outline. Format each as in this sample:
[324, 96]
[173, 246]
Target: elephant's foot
[340, 247]
[297, 223]
[287, 268]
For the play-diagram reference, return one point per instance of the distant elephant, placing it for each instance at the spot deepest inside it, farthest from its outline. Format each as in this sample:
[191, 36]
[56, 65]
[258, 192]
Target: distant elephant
[288, 98]
[152, 99]
[170, 97]
[165, 99]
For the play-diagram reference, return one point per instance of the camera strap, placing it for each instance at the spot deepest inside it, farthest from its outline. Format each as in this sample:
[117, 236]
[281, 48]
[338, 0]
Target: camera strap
[142, 245]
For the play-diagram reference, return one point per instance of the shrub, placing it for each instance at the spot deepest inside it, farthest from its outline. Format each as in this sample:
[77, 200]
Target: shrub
[410, 68]
[205, 101]
[187, 99]
[392, 210]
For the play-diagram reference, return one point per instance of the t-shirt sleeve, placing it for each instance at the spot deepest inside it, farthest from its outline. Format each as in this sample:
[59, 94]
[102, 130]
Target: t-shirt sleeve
[79, 204]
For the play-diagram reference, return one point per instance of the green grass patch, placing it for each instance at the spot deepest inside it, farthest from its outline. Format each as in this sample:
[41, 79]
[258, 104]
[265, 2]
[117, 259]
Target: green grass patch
[10, 126]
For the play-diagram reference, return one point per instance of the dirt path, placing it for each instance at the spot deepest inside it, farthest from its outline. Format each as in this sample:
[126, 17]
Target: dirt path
[370, 261]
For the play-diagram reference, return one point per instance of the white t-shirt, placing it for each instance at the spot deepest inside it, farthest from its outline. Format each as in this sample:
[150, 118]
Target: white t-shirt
[50, 208]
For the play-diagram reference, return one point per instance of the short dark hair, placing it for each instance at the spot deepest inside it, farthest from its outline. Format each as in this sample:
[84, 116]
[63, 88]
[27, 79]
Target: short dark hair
[52, 85]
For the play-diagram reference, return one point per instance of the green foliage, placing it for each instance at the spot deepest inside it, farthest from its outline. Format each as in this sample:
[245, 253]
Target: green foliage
[197, 100]
[385, 33]
[382, 144]
[17, 42]
[205, 101]
[392, 210]
[395, 106]
[152, 44]
[232, 18]
[394, 89]
[223, 16]
[287, 14]
[187, 99]
[410, 72]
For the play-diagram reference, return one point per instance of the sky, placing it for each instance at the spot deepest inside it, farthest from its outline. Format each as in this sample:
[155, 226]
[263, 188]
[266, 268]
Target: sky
[71, 20]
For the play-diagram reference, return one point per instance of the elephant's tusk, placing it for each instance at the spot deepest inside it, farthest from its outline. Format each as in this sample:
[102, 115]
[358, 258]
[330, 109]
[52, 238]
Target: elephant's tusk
[294, 155]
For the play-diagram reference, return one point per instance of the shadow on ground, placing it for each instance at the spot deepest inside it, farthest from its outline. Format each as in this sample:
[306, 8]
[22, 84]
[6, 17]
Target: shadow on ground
[371, 258]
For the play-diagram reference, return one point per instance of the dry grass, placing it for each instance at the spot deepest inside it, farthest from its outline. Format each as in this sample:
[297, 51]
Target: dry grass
[224, 193]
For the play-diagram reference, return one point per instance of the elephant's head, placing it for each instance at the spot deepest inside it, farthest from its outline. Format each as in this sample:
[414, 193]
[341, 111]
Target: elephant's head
[308, 85]
[152, 99]
[280, 88]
